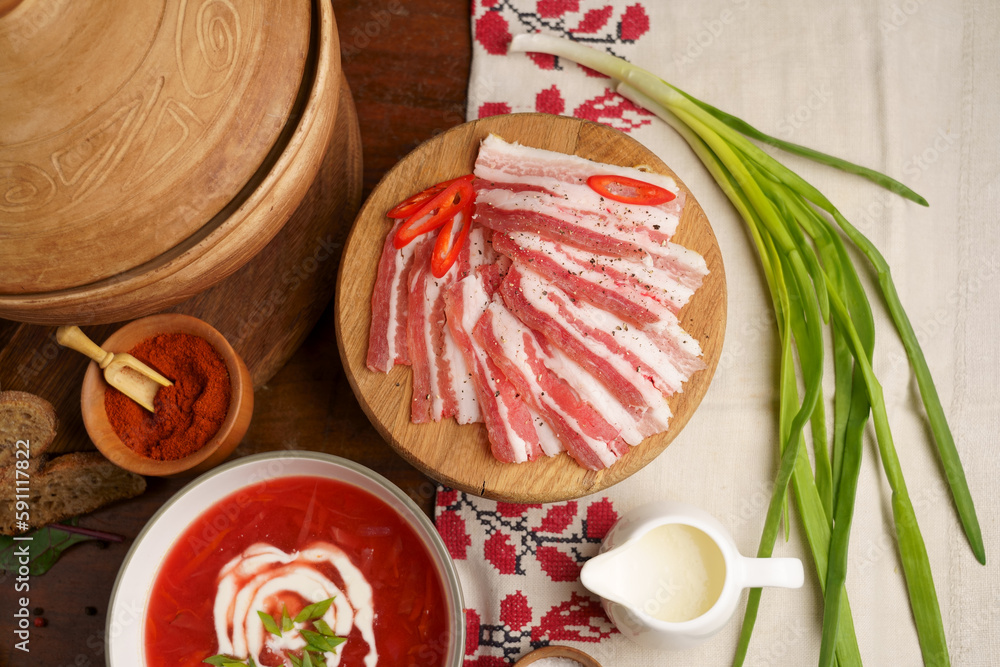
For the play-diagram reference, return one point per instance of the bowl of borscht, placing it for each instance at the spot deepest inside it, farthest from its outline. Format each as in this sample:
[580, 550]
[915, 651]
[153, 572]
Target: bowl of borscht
[287, 558]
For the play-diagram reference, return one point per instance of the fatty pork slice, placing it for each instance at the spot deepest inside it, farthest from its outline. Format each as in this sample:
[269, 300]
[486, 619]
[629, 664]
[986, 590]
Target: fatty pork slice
[516, 432]
[387, 335]
[442, 382]
[639, 293]
[528, 189]
[527, 361]
[635, 364]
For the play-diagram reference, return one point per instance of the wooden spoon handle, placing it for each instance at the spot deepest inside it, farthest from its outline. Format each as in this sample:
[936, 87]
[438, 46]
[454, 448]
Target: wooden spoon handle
[73, 338]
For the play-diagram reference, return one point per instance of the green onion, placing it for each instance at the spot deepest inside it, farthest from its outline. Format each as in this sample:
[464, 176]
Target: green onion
[812, 282]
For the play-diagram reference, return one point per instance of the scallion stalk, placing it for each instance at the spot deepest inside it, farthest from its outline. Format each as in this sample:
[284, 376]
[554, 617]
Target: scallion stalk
[811, 280]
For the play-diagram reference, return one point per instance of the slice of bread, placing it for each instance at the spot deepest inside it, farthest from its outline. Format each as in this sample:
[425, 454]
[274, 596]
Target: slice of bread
[29, 418]
[70, 485]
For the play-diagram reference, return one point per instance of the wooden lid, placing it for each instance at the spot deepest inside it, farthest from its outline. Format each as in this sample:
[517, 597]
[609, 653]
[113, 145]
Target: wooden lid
[127, 126]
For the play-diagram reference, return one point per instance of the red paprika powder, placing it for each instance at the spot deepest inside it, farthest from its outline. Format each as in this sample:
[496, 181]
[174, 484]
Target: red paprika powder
[187, 414]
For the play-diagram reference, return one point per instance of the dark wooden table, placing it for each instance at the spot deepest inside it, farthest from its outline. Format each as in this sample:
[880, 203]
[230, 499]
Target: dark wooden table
[407, 63]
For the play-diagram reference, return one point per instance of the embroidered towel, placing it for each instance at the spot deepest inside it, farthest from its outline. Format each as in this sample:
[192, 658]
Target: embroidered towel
[908, 87]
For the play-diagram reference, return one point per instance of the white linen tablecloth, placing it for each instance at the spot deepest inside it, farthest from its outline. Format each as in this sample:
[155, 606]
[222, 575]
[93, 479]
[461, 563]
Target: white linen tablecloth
[909, 87]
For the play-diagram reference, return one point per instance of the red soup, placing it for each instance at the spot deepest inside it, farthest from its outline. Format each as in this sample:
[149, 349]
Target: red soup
[288, 543]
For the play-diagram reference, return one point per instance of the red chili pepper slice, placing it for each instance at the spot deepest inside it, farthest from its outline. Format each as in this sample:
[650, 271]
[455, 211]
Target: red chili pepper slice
[411, 204]
[435, 212]
[408, 206]
[445, 251]
[629, 190]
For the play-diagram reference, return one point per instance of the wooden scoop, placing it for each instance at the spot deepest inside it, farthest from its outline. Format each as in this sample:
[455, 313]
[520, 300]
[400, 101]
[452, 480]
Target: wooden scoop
[122, 371]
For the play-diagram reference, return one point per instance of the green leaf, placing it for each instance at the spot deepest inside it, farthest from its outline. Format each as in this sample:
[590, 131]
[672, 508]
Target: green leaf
[306, 659]
[296, 661]
[44, 549]
[313, 611]
[286, 621]
[324, 629]
[743, 127]
[320, 642]
[251, 662]
[227, 661]
[269, 623]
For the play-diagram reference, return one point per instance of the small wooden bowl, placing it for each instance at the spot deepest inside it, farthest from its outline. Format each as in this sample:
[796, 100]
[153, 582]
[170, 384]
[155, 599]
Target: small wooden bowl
[215, 450]
[554, 651]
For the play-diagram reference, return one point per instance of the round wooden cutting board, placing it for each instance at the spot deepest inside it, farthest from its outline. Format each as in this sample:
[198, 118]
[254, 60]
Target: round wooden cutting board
[459, 456]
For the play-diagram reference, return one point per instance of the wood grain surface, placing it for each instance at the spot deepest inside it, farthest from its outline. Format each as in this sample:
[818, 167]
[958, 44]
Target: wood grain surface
[224, 236]
[457, 455]
[158, 111]
[407, 65]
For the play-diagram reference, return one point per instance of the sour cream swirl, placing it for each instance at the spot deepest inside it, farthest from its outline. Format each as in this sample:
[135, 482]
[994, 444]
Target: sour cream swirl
[263, 571]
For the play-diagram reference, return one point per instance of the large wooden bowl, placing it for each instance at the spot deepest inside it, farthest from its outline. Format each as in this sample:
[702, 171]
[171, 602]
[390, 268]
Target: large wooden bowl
[459, 456]
[149, 150]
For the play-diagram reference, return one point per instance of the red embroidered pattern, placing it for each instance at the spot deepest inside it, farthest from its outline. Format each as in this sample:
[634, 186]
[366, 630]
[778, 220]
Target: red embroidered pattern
[634, 23]
[578, 619]
[452, 530]
[550, 101]
[553, 9]
[493, 109]
[614, 110]
[600, 25]
[550, 16]
[593, 20]
[493, 33]
[524, 562]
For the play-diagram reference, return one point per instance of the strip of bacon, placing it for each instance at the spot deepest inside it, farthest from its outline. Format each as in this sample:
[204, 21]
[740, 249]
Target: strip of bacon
[639, 293]
[632, 363]
[516, 433]
[442, 382]
[522, 189]
[631, 367]
[387, 334]
[635, 244]
[561, 180]
[634, 425]
[525, 359]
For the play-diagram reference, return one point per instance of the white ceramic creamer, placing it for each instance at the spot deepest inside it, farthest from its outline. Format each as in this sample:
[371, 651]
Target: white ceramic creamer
[670, 576]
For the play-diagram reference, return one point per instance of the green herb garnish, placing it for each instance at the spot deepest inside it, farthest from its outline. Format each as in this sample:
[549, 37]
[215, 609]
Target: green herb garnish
[318, 642]
[313, 611]
[227, 661]
[269, 623]
[322, 642]
[321, 625]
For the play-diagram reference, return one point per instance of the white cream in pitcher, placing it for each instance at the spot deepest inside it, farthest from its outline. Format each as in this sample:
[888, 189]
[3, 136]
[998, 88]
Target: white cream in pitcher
[674, 573]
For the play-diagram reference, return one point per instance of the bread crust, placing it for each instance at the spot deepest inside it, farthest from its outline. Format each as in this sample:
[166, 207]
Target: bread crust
[25, 416]
[58, 487]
